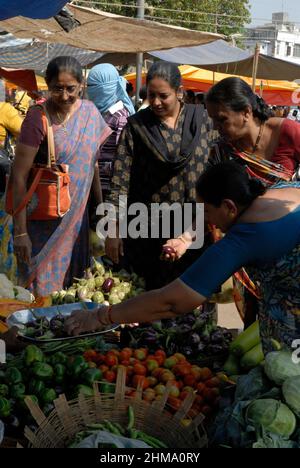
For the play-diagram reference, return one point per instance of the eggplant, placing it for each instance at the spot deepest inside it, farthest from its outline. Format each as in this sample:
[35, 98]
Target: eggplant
[56, 323]
[193, 340]
[187, 351]
[107, 285]
[188, 319]
[216, 337]
[201, 347]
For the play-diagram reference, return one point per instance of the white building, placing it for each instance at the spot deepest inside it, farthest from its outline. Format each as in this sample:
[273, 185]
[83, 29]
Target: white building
[280, 39]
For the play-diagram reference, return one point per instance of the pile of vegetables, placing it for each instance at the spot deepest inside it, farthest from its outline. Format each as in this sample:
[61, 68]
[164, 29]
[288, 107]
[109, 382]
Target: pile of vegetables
[245, 352]
[43, 375]
[101, 286]
[266, 407]
[95, 435]
[152, 372]
[195, 335]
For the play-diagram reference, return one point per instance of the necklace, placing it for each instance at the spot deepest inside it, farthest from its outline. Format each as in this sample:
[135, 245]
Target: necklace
[255, 146]
[258, 137]
[63, 121]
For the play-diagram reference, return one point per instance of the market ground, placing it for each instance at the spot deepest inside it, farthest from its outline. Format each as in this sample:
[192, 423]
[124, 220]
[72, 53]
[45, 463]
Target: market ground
[228, 316]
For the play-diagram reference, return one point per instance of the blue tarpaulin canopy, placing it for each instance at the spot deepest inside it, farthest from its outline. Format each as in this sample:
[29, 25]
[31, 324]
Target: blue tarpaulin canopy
[37, 9]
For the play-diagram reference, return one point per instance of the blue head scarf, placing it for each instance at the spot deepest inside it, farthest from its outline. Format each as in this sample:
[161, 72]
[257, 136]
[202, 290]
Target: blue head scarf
[106, 87]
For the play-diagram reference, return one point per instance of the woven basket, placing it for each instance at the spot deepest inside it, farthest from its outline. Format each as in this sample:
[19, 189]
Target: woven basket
[68, 418]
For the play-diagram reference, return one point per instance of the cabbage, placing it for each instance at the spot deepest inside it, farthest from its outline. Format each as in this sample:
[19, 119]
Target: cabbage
[271, 416]
[279, 366]
[291, 393]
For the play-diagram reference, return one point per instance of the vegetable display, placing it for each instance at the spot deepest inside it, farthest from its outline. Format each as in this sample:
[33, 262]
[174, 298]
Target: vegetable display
[195, 335]
[101, 286]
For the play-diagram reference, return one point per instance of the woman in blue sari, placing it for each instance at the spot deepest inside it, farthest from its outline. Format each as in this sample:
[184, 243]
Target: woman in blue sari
[250, 215]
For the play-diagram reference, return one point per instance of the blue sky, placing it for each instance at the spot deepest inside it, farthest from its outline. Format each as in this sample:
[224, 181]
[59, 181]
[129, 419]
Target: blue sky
[263, 9]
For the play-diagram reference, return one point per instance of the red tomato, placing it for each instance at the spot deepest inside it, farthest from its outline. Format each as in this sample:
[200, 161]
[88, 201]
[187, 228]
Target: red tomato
[140, 380]
[139, 369]
[111, 360]
[174, 402]
[200, 387]
[160, 352]
[189, 380]
[125, 354]
[110, 376]
[103, 368]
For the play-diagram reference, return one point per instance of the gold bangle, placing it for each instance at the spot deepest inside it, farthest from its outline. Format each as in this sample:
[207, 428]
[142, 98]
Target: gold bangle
[21, 235]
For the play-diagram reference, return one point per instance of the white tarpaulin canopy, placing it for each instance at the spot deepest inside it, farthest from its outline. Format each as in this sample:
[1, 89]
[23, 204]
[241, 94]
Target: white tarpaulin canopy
[105, 32]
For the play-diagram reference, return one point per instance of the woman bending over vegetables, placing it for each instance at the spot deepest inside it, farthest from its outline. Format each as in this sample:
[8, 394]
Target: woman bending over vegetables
[262, 229]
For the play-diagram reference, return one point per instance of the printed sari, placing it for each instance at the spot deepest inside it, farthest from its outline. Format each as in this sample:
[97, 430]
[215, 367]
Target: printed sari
[60, 248]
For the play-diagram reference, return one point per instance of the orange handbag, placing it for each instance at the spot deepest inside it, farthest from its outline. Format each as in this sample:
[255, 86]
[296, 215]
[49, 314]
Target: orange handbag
[48, 196]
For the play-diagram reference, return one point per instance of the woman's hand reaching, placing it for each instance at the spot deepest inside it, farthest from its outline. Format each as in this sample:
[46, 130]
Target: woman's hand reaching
[174, 249]
[81, 321]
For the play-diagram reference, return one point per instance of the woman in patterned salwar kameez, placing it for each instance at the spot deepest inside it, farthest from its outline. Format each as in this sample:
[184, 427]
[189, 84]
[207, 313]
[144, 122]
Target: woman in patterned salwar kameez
[51, 253]
[162, 151]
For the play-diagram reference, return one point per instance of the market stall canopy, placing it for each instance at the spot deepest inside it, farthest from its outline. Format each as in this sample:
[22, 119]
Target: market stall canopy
[269, 68]
[218, 56]
[105, 32]
[200, 80]
[35, 55]
[24, 79]
[30, 8]
[205, 54]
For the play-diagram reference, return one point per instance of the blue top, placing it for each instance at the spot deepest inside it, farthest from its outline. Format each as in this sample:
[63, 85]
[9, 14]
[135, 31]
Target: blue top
[252, 244]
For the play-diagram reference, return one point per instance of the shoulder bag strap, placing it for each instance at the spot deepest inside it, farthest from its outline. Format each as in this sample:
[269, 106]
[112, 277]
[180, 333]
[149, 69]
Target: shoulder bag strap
[50, 138]
[51, 161]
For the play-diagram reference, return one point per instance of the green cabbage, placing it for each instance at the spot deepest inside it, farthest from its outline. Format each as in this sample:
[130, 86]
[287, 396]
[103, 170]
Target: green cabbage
[279, 366]
[291, 393]
[272, 416]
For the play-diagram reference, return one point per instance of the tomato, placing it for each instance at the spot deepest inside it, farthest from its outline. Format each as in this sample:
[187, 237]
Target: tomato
[111, 360]
[170, 362]
[149, 394]
[103, 368]
[159, 359]
[157, 372]
[180, 357]
[182, 369]
[206, 373]
[140, 353]
[151, 364]
[125, 363]
[152, 381]
[160, 389]
[140, 381]
[166, 375]
[114, 351]
[110, 376]
[200, 387]
[174, 402]
[139, 369]
[160, 352]
[189, 380]
[125, 354]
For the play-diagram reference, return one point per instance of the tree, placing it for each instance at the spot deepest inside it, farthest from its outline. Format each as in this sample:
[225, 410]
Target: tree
[223, 16]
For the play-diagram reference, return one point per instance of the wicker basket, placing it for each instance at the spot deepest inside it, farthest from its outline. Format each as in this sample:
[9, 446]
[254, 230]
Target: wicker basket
[68, 418]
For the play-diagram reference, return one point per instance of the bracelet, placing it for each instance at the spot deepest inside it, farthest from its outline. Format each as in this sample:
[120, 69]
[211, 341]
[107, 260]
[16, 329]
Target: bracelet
[105, 317]
[21, 235]
[109, 312]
